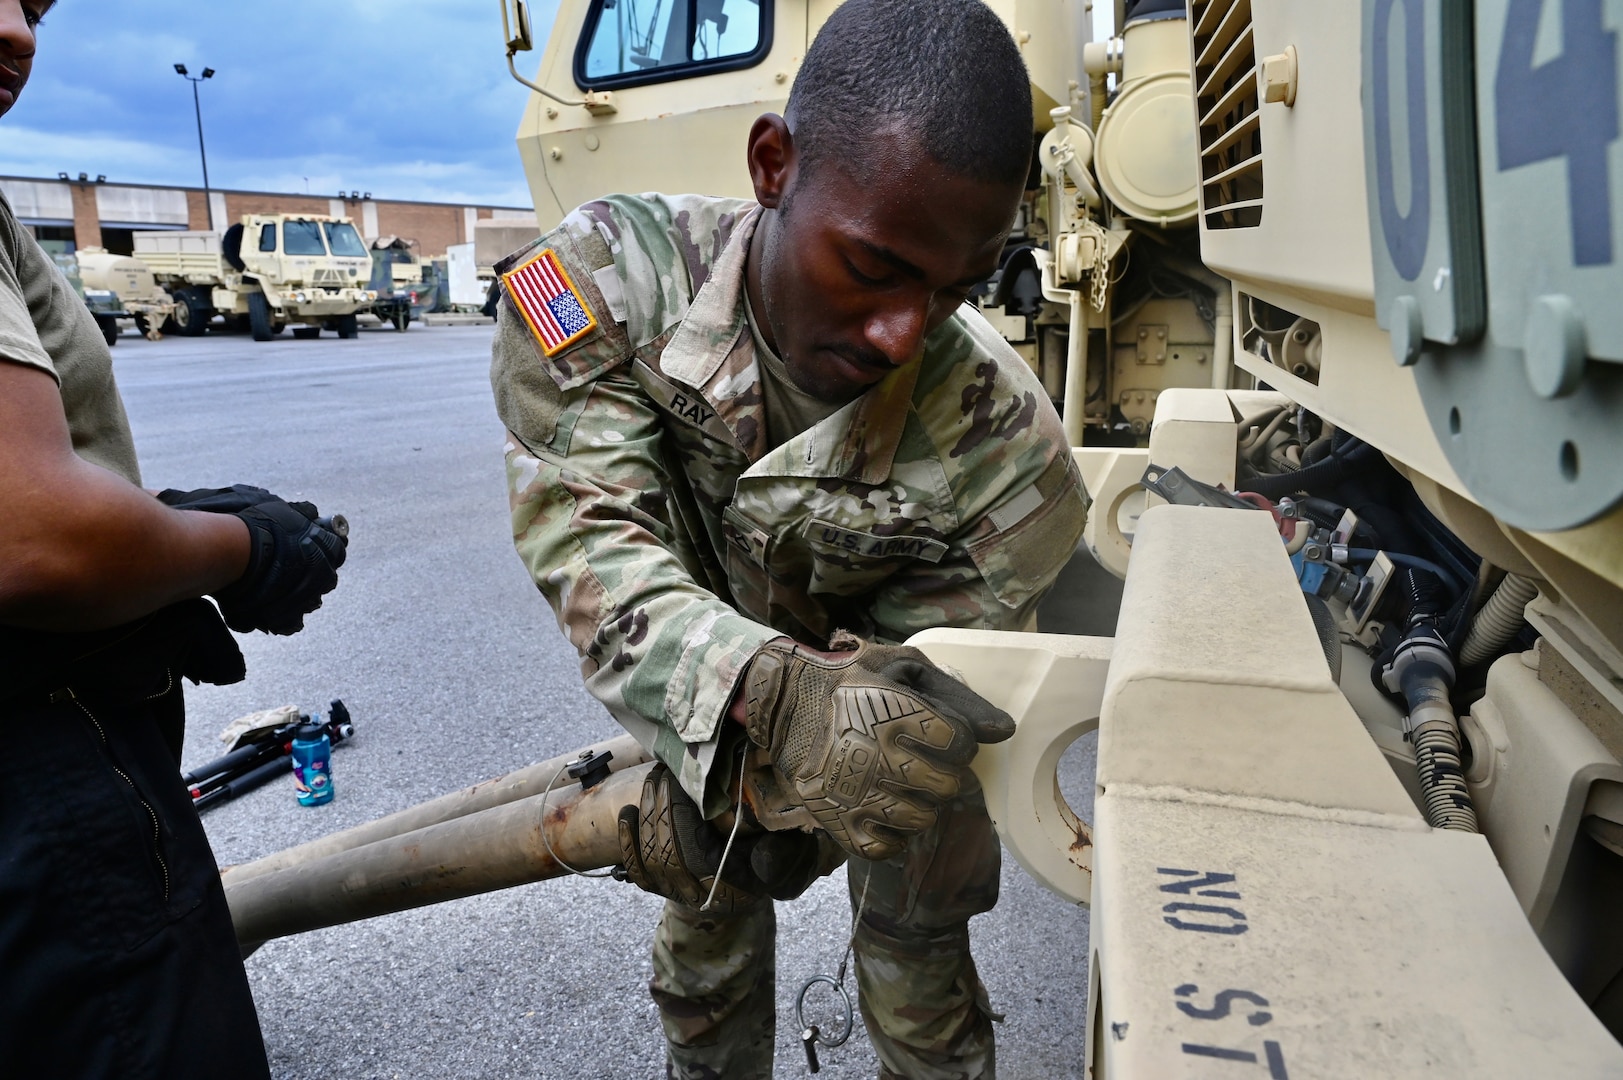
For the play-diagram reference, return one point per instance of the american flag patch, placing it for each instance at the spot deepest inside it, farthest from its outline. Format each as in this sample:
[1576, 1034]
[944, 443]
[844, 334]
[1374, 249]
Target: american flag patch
[549, 302]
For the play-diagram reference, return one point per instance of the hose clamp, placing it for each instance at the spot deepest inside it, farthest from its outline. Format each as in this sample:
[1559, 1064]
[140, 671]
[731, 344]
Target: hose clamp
[1423, 645]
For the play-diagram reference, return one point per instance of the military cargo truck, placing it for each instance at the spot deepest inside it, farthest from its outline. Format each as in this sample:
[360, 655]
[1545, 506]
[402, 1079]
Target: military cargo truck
[1359, 793]
[139, 294]
[433, 294]
[1357, 262]
[619, 110]
[397, 281]
[270, 270]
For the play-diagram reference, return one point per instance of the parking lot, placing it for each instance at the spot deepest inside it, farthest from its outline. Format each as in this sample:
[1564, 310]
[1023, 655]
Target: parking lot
[454, 670]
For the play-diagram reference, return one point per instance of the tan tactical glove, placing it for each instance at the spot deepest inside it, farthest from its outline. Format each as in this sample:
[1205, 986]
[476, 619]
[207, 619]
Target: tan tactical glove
[669, 849]
[870, 742]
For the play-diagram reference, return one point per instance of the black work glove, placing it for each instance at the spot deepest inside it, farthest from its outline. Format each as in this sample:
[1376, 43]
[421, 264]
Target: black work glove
[293, 557]
[226, 500]
[669, 849]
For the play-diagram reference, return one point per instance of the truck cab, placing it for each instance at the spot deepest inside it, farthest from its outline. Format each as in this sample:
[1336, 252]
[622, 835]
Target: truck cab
[267, 271]
[306, 251]
[310, 269]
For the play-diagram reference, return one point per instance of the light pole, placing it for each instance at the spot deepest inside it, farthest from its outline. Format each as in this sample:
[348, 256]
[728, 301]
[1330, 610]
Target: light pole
[208, 73]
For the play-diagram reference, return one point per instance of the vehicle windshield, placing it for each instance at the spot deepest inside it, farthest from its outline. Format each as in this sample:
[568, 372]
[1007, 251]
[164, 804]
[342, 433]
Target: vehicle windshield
[302, 238]
[343, 238]
[640, 35]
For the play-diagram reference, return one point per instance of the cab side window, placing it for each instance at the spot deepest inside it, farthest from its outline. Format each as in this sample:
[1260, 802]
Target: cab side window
[267, 237]
[634, 42]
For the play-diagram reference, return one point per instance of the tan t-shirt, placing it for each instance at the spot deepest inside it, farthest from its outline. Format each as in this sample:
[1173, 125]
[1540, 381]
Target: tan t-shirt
[789, 409]
[44, 324]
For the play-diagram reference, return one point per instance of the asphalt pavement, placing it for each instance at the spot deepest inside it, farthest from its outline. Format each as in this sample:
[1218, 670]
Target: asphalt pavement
[454, 670]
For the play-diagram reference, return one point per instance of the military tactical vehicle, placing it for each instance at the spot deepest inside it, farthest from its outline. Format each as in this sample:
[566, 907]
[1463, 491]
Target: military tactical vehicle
[433, 294]
[1359, 795]
[104, 304]
[273, 270]
[396, 281]
[640, 97]
[140, 295]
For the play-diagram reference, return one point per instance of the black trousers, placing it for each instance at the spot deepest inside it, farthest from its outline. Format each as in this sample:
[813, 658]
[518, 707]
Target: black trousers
[117, 956]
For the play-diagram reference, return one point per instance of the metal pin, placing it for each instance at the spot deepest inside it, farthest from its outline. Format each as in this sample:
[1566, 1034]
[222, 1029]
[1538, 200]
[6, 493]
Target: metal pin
[808, 1039]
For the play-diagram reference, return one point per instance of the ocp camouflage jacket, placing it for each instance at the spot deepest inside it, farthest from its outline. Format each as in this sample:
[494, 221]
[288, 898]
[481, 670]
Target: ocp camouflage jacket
[672, 541]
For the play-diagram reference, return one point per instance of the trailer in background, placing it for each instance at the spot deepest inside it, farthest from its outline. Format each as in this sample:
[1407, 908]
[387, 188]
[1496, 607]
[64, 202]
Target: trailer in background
[462, 275]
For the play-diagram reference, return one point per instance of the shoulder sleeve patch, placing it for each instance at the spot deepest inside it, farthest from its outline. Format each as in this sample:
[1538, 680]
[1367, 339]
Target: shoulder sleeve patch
[543, 292]
[1024, 543]
[614, 295]
[1016, 509]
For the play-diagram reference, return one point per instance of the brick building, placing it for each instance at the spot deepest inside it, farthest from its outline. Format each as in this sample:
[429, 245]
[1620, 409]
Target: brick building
[89, 212]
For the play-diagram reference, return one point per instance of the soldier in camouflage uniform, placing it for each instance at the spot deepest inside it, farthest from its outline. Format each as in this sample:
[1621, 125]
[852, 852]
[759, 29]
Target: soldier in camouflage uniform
[708, 498]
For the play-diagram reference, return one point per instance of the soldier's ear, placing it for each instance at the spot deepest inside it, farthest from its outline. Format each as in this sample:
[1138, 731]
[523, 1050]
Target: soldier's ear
[771, 156]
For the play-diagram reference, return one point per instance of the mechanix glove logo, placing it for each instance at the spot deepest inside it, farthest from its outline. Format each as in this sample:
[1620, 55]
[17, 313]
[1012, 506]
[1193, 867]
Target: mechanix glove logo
[851, 772]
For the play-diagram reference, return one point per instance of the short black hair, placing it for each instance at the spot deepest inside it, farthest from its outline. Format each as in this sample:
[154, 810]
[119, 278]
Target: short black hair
[946, 71]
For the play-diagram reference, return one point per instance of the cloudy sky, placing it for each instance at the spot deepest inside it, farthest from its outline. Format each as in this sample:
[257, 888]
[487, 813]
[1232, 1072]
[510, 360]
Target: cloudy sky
[407, 99]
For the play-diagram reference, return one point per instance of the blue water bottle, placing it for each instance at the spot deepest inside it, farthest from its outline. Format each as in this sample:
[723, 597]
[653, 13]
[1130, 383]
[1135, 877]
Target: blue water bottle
[312, 763]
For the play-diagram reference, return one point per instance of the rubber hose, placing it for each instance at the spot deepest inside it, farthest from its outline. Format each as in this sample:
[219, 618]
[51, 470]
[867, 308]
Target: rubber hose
[1322, 511]
[1413, 561]
[1435, 732]
[1329, 640]
[1425, 591]
[1499, 620]
[1254, 448]
[1327, 473]
[1437, 758]
[1393, 531]
[1260, 418]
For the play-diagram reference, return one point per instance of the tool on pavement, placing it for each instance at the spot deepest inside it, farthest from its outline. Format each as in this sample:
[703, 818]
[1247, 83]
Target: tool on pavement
[258, 757]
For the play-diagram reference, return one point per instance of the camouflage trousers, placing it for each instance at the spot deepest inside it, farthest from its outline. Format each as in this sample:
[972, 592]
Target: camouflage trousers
[926, 1011]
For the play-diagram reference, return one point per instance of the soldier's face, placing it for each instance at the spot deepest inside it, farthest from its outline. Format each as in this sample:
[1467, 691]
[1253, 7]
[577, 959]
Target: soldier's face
[854, 274]
[18, 18]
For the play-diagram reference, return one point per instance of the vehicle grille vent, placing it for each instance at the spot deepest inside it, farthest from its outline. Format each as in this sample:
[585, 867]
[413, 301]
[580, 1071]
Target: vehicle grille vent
[1226, 101]
[327, 277]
